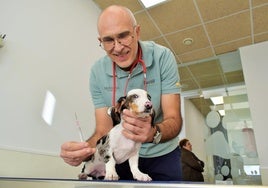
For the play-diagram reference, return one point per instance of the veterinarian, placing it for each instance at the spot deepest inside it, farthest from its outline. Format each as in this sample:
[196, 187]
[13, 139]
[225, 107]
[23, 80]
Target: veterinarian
[129, 64]
[192, 167]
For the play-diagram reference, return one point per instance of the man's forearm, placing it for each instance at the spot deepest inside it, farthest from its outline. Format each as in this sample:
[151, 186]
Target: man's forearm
[92, 141]
[170, 128]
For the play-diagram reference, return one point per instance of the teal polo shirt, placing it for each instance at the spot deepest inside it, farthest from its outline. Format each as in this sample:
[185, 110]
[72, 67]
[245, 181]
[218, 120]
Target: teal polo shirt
[162, 77]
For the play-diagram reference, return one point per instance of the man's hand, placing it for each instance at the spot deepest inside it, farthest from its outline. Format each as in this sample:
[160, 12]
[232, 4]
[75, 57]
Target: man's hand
[136, 128]
[74, 153]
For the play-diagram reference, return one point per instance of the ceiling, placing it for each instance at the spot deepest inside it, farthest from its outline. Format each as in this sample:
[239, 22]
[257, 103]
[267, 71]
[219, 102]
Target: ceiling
[217, 27]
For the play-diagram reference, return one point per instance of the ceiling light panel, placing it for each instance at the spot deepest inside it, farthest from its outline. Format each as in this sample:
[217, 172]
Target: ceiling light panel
[217, 100]
[150, 3]
[222, 112]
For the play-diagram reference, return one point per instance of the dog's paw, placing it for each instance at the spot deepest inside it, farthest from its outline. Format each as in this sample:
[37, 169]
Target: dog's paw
[141, 176]
[111, 176]
[82, 176]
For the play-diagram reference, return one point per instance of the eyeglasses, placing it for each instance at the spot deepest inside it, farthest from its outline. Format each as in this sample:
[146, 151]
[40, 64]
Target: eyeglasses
[124, 39]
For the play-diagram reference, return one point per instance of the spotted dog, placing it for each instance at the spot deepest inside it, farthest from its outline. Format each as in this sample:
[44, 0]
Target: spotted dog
[114, 148]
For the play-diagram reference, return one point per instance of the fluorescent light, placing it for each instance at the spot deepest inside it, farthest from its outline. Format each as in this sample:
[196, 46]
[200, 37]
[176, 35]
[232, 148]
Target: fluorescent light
[222, 112]
[217, 100]
[150, 3]
[214, 92]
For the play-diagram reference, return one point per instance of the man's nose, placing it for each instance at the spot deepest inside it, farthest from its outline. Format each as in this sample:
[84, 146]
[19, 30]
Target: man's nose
[118, 45]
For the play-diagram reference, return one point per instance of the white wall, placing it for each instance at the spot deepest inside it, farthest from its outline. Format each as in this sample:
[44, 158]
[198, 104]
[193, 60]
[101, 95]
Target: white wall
[255, 68]
[196, 131]
[49, 45]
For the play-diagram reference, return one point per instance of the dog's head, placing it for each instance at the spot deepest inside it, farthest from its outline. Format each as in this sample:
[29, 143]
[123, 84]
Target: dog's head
[137, 101]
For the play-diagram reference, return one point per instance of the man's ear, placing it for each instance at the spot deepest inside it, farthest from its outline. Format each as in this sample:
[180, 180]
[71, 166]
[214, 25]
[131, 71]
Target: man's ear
[138, 29]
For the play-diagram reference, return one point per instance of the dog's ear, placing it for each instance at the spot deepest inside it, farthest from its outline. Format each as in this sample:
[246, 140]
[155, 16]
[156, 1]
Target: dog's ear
[115, 115]
[115, 112]
[121, 102]
[153, 115]
[125, 103]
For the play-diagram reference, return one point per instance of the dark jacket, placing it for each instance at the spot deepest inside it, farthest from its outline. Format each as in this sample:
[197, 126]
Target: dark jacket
[192, 167]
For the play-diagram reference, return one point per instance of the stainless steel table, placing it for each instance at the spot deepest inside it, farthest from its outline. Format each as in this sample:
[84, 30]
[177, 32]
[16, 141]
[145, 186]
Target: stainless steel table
[9, 182]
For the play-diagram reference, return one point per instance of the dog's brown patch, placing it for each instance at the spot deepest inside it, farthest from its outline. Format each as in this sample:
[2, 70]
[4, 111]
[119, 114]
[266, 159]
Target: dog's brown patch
[134, 108]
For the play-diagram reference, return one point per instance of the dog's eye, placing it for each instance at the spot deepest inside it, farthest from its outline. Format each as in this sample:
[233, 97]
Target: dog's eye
[149, 96]
[135, 96]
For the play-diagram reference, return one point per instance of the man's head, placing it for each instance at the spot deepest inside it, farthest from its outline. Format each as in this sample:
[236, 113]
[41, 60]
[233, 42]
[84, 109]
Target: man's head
[185, 143]
[119, 35]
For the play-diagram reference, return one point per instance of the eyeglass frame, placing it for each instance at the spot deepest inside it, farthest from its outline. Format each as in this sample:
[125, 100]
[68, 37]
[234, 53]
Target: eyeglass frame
[117, 39]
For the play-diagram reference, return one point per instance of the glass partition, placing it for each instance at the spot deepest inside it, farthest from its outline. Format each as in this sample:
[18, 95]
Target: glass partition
[229, 141]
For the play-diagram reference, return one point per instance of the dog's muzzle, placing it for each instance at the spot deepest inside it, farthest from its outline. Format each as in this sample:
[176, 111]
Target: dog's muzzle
[148, 106]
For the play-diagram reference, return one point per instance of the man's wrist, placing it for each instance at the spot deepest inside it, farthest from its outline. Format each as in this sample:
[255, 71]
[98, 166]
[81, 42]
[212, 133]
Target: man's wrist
[154, 130]
[157, 135]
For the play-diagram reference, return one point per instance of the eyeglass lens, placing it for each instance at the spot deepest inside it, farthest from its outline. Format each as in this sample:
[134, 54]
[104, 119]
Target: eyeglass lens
[125, 39]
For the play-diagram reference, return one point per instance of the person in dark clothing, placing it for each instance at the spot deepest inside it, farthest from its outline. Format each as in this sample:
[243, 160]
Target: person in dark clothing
[192, 167]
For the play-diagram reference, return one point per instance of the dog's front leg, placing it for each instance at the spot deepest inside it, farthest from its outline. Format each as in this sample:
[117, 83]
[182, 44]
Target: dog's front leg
[137, 174]
[111, 173]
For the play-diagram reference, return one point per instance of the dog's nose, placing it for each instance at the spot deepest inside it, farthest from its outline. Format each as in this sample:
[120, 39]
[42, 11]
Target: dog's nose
[148, 105]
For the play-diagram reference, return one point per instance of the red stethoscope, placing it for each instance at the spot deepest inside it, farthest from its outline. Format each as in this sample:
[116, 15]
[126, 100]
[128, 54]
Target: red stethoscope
[139, 60]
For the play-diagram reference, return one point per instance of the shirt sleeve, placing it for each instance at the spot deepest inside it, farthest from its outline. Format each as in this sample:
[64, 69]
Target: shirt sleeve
[169, 73]
[95, 89]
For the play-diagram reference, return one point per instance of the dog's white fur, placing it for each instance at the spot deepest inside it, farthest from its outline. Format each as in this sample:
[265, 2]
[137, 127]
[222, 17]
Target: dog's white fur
[116, 148]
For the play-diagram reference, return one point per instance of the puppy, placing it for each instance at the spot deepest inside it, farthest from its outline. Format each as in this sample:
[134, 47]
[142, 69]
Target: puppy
[114, 148]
